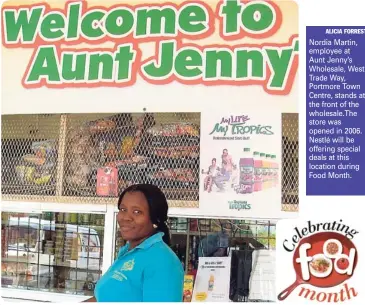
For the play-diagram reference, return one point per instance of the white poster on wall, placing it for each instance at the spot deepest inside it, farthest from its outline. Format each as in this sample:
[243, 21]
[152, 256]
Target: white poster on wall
[240, 164]
[212, 280]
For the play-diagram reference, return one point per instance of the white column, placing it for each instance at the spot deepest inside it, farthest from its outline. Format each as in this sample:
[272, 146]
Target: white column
[109, 237]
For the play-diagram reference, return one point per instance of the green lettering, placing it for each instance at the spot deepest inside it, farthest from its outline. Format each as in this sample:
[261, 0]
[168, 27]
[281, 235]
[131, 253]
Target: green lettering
[220, 129]
[152, 19]
[237, 129]
[87, 24]
[164, 68]
[125, 58]
[256, 60]
[218, 58]
[22, 28]
[187, 63]
[45, 65]
[230, 11]
[74, 18]
[257, 17]
[73, 66]
[279, 66]
[103, 63]
[119, 22]
[192, 19]
[296, 45]
[52, 26]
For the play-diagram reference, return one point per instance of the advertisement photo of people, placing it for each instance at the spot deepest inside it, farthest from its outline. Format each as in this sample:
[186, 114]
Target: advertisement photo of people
[219, 175]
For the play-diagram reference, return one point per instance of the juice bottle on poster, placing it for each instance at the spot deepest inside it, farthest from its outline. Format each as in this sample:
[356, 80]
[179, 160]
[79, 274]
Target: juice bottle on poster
[247, 171]
[211, 283]
[272, 171]
[275, 170]
[258, 171]
[269, 171]
[263, 170]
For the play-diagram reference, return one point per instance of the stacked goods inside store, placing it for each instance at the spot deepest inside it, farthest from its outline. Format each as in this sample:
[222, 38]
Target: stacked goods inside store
[4, 235]
[118, 152]
[83, 157]
[101, 157]
[6, 274]
[194, 252]
[31, 170]
[175, 155]
[108, 155]
[62, 252]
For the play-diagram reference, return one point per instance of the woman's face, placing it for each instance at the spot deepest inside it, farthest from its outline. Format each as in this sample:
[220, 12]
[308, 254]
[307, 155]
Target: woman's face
[134, 218]
[214, 162]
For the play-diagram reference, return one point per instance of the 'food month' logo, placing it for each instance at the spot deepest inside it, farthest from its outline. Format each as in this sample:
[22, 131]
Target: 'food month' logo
[324, 256]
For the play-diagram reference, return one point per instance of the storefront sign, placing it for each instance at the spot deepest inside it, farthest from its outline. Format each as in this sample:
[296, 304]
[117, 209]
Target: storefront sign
[212, 280]
[240, 164]
[117, 53]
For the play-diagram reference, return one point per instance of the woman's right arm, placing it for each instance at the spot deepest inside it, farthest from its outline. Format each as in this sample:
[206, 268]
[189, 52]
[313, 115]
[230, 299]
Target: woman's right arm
[90, 300]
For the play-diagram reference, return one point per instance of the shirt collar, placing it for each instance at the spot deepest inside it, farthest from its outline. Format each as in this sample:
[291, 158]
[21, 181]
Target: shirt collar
[155, 238]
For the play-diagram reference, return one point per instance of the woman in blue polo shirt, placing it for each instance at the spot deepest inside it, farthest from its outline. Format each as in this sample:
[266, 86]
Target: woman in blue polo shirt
[146, 269]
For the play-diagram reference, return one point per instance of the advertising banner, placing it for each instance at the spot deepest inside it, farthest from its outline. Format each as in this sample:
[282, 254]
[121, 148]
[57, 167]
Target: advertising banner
[240, 161]
[135, 56]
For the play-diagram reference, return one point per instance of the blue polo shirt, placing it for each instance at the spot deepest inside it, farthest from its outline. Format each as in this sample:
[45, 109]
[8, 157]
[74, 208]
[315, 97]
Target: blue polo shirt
[151, 272]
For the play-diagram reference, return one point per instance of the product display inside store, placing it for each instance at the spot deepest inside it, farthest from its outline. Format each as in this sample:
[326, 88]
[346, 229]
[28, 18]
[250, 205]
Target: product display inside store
[63, 252]
[116, 152]
[66, 171]
[190, 235]
[193, 239]
[55, 252]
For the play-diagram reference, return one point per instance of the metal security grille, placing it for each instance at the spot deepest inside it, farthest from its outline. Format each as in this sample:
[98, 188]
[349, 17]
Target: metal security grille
[29, 149]
[187, 236]
[54, 252]
[67, 158]
[290, 161]
[162, 149]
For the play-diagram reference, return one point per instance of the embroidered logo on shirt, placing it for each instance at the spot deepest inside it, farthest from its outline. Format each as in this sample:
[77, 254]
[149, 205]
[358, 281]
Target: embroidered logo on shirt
[128, 266]
[119, 275]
